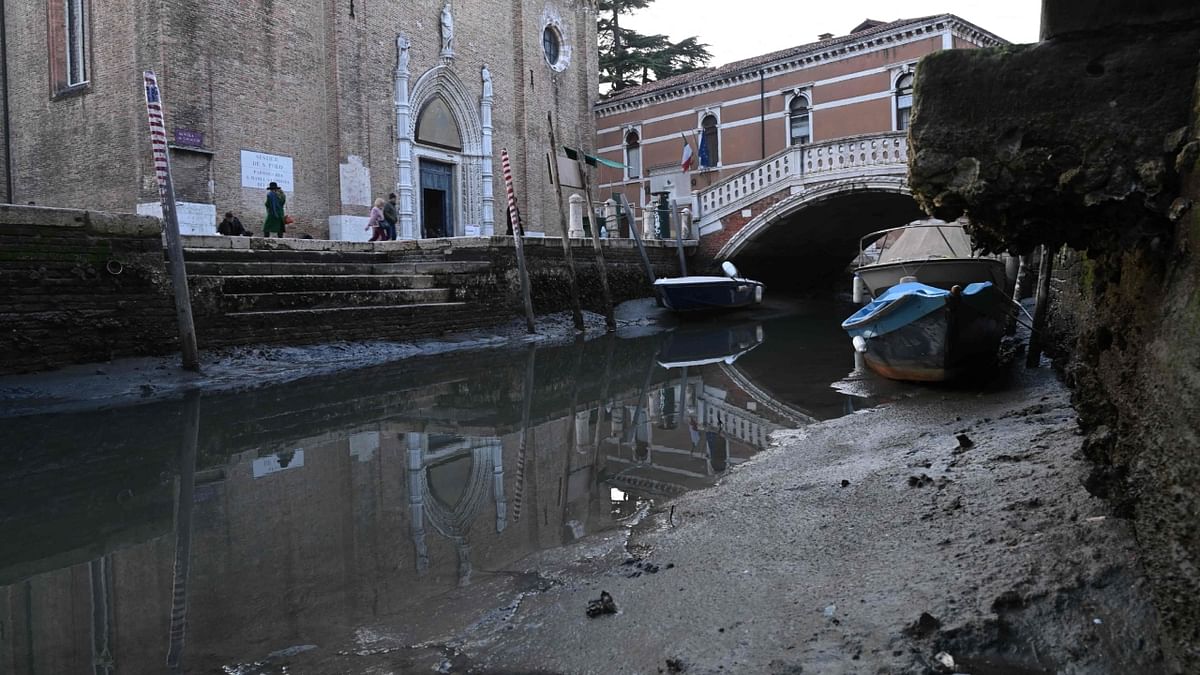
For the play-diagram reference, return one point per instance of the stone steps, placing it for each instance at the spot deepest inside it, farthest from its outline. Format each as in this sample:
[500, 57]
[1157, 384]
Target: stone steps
[274, 283]
[266, 266]
[275, 301]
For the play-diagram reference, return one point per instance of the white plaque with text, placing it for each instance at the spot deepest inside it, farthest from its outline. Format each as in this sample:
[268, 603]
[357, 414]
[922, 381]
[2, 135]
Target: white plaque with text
[259, 169]
[194, 218]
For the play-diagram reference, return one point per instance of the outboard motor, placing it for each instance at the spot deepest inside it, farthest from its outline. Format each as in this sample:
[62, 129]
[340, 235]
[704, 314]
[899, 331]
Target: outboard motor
[729, 270]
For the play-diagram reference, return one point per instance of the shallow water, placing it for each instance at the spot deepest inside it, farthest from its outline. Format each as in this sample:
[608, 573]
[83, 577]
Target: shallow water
[235, 531]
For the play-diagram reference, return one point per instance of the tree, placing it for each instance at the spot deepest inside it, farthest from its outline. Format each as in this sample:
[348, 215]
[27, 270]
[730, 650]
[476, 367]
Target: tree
[629, 58]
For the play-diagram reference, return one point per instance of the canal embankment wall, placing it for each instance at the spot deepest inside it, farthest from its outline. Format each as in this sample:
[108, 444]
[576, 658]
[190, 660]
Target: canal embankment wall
[83, 286]
[1114, 198]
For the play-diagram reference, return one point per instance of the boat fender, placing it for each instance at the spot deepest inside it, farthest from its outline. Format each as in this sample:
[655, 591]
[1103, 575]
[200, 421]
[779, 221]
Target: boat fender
[857, 288]
[860, 344]
[758, 294]
[908, 279]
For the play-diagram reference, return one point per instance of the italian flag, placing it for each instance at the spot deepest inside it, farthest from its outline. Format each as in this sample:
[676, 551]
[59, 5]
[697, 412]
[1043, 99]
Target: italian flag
[686, 161]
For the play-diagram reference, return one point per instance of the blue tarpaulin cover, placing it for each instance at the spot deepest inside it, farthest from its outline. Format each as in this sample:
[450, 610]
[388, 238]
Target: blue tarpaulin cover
[901, 305]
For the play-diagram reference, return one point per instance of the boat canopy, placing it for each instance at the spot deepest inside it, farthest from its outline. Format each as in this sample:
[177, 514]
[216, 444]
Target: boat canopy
[926, 240]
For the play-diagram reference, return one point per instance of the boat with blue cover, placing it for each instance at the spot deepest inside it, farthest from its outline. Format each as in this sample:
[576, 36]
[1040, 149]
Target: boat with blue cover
[922, 333]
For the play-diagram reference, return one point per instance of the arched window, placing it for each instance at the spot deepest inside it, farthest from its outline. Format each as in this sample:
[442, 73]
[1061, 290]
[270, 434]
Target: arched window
[633, 155]
[904, 99]
[799, 124]
[436, 126]
[710, 151]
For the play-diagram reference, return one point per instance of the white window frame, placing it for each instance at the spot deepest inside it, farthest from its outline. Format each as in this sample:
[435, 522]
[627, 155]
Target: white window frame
[787, 115]
[906, 69]
[700, 115]
[77, 10]
[641, 163]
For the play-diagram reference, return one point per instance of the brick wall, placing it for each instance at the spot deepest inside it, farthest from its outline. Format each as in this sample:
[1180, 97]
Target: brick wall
[79, 286]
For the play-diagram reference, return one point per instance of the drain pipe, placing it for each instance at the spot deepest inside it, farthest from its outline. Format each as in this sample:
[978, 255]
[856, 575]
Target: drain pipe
[8, 176]
[762, 113]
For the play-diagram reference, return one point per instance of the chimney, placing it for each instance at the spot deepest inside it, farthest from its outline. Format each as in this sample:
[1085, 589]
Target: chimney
[825, 36]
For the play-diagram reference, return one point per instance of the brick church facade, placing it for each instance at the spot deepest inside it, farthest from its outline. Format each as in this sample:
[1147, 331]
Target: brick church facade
[747, 111]
[340, 103]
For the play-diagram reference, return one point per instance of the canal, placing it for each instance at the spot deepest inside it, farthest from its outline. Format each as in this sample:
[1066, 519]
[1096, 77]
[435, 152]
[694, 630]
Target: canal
[234, 532]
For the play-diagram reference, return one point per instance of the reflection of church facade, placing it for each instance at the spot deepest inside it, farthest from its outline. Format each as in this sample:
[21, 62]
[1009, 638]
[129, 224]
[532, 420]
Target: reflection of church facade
[339, 103]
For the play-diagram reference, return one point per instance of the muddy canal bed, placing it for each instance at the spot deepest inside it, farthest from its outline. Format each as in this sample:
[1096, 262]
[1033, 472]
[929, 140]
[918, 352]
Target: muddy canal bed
[458, 512]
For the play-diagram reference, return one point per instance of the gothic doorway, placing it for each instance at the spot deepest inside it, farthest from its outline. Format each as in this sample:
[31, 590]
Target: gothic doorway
[437, 205]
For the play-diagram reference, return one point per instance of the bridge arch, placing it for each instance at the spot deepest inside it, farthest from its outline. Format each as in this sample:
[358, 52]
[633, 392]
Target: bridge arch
[813, 235]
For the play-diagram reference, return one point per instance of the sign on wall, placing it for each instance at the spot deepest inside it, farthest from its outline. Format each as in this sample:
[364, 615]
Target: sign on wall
[259, 169]
[189, 137]
[356, 182]
[194, 218]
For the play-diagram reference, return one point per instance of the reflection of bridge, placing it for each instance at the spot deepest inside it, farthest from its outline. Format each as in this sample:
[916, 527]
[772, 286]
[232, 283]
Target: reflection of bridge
[805, 206]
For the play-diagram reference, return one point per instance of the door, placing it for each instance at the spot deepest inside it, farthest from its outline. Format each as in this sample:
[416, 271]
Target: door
[437, 206]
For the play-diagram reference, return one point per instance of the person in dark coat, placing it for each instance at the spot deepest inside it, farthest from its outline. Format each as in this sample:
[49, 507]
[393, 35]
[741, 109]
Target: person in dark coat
[390, 217]
[232, 227]
[275, 201]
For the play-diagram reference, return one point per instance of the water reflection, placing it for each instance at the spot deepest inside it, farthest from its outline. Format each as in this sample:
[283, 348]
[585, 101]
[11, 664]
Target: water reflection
[204, 533]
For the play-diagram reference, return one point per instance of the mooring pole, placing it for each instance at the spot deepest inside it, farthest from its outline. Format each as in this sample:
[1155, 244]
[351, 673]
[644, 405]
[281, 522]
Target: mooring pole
[1036, 341]
[1022, 262]
[576, 306]
[610, 321]
[166, 192]
[677, 223]
[623, 203]
[522, 270]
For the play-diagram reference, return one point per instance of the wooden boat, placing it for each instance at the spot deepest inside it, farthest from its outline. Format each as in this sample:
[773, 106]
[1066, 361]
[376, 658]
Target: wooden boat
[708, 294]
[931, 251]
[917, 332]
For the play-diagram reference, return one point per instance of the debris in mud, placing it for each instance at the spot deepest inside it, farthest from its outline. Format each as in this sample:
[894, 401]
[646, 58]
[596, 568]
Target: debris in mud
[845, 483]
[964, 441]
[674, 666]
[919, 481]
[604, 605]
[923, 627]
[943, 663]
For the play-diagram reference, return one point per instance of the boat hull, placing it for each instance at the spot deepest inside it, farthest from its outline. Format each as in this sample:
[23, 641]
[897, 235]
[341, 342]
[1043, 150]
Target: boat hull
[940, 273]
[708, 294]
[934, 337]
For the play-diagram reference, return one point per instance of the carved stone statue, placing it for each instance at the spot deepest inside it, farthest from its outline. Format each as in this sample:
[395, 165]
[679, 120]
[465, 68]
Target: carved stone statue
[447, 31]
[487, 82]
[402, 45]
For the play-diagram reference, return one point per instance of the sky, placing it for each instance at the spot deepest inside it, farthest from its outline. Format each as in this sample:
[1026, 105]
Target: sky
[757, 27]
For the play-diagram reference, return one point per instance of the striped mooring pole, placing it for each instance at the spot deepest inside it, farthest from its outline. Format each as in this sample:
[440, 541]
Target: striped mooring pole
[512, 217]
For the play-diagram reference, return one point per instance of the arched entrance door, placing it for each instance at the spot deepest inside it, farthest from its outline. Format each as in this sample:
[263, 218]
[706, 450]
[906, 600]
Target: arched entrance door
[437, 199]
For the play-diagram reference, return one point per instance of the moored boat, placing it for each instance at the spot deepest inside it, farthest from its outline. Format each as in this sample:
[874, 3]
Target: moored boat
[931, 251]
[709, 293]
[921, 333]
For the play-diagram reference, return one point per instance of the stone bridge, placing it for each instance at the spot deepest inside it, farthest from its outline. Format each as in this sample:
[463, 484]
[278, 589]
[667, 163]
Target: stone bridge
[797, 216]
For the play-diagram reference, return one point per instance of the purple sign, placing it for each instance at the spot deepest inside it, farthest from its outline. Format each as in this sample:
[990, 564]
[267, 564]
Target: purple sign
[189, 137]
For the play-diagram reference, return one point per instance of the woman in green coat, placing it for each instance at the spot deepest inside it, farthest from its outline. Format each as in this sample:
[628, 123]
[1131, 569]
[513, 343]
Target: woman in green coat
[275, 201]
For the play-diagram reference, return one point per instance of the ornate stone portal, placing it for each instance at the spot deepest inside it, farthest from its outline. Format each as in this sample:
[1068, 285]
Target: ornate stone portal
[468, 161]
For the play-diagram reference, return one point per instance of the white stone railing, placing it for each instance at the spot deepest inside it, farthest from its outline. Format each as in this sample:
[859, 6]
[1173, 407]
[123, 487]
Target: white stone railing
[818, 162]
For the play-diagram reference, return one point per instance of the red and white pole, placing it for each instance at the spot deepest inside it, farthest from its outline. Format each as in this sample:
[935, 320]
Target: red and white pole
[518, 238]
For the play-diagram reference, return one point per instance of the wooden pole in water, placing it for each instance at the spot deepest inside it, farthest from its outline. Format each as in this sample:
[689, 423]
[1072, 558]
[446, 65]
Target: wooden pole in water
[576, 306]
[1045, 269]
[166, 192]
[623, 203]
[522, 270]
[677, 223]
[1011, 328]
[610, 322]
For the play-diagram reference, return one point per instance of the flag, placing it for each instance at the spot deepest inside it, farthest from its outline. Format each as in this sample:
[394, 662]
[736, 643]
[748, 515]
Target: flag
[704, 160]
[686, 161]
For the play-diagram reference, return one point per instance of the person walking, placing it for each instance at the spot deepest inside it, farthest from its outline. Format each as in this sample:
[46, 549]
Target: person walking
[376, 222]
[275, 216]
[390, 217]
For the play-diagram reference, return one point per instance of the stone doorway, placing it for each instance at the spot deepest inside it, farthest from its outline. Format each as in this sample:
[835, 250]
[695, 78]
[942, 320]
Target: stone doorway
[437, 206]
